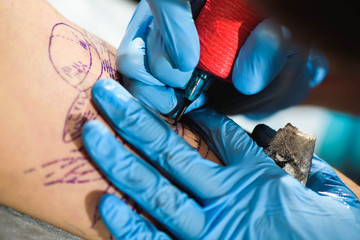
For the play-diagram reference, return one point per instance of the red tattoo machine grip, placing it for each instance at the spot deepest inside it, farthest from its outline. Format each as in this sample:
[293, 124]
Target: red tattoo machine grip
[223, 27]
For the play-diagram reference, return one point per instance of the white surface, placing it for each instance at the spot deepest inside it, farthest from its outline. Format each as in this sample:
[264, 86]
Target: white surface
[107, 19]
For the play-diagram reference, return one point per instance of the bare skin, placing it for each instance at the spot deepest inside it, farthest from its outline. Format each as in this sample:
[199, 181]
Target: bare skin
[48, 66]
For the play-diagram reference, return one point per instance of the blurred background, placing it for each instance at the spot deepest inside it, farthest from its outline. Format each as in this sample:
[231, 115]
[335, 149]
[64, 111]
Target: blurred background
[337, 128]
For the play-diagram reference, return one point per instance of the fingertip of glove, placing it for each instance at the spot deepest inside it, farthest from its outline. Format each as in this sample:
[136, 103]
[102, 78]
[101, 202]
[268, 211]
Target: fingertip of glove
[101, 85]
[248, 85]
[108, 207]
[91, 130]
[186, 61]
[165, 72]
[200, 101]
[105, 83]
[107, 90]
[107, 201]
[113, 210]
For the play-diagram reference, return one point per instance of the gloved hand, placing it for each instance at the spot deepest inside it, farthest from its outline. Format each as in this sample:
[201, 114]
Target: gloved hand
[248, 198]
[161, 48]
[159, 51]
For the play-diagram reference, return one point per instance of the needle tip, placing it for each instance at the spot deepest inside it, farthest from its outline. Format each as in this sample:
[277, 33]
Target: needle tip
[182, 111]
[180, 114]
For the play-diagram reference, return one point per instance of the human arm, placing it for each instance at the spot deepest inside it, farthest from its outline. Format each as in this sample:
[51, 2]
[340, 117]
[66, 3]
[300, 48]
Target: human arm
[41, 124]
[249, 197]
[48, 67]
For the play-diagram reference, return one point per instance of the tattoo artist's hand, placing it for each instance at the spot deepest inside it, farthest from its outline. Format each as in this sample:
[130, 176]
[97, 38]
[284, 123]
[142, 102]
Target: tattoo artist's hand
[159, 51]
[161, 48]
[248, 198]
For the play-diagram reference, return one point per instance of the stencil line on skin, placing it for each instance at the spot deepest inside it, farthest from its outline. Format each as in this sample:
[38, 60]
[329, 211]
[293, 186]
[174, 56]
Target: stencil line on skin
[81, 74]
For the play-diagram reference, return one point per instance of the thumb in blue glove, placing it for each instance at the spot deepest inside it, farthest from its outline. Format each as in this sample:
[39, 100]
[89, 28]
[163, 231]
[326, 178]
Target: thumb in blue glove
[158, 53]
[250, 197]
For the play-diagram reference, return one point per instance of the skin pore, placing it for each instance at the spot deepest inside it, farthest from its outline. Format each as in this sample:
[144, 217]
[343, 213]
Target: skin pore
[48, 67]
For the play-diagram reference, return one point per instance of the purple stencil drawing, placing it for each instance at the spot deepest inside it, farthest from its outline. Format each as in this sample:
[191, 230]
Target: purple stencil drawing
[79, 73]
[181, 129]
[30, 170]
[90, 60]
[68, 170]
[63, 35]
[76, 117]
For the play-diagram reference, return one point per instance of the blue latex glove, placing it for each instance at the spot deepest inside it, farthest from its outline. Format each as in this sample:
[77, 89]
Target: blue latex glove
[248, 198]
[159, 51]
[161, 48]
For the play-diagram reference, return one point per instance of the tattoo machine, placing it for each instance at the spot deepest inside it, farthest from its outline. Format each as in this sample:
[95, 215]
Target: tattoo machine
[223, 27]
